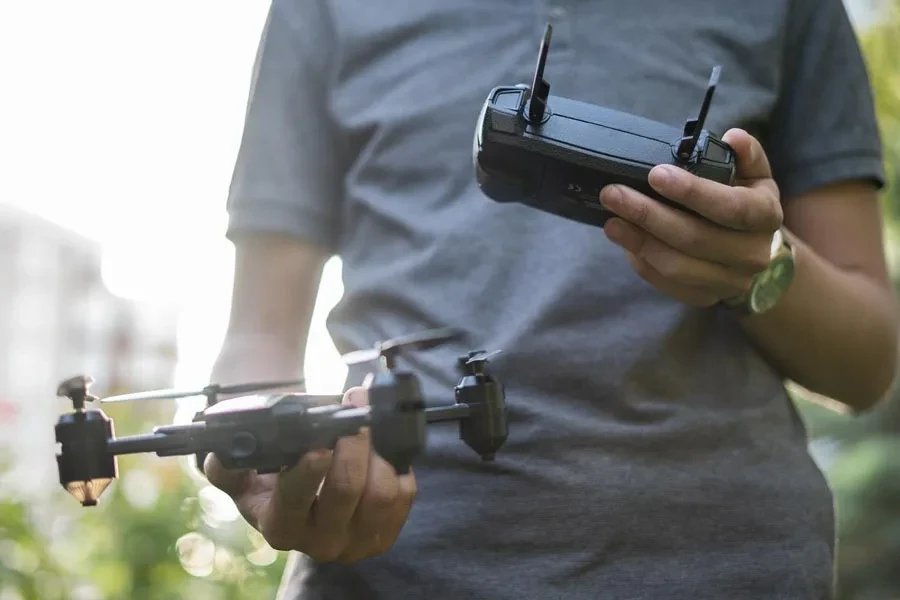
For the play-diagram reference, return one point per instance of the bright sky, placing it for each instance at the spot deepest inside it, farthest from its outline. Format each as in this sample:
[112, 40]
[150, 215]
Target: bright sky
[120, 120]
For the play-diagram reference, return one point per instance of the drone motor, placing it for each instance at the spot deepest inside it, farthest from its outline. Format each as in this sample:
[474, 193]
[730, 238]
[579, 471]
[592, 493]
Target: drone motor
[85, 467]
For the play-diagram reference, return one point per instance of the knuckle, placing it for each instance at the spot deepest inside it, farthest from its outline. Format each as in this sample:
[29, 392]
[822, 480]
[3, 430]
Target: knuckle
[323, 552]
[698, 299]
[668, 266]
[758, 260]
[411, 493]
[687, 187]
[280, 539]
[693, 241]
[641, 213]
[643, 268]
[742, 283]
[707, 300]
[348, 479]
[383, 497]
[279, 542]
[776, 211]
[382, 544]
[740, 210]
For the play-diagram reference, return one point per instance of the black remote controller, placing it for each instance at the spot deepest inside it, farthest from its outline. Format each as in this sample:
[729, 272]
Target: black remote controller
[556, 154]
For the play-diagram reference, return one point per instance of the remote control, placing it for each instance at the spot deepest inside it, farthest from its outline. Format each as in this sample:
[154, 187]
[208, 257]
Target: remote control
[556, 154]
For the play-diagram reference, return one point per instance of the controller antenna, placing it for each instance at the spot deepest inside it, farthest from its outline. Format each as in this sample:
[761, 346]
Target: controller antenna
[693, 127]
[540, 87]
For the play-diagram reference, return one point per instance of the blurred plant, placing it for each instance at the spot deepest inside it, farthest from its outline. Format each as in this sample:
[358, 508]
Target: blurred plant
[156, 536]
[865, 472]
[865, 450]
[27, 567]
[158, 533]
[866, 478]
[881, 45]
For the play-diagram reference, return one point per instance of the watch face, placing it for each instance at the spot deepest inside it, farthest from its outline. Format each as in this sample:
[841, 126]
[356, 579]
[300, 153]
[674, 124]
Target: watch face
[771, 285]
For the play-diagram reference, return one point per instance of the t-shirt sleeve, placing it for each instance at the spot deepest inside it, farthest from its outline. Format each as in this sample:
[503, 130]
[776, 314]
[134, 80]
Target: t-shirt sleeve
[288, 174]
[823, 128]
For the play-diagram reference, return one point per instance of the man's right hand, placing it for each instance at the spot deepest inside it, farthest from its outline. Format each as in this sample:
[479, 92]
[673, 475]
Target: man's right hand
[334, 506]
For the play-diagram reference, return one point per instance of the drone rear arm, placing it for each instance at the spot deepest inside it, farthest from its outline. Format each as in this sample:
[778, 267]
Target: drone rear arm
[170, 440]
[451, 412]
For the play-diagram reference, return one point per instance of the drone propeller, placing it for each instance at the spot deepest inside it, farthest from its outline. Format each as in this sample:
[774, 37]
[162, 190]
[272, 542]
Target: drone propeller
[77, 389]
[211, 391]
[424, 340]
[482, 356]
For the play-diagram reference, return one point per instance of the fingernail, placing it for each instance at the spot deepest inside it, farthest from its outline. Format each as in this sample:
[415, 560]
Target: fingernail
[610, 194]
[662, 175]
[356, 397]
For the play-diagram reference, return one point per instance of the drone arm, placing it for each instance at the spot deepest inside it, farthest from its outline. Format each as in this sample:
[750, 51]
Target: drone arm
[174, 440]
[451, 412]
[324, 426]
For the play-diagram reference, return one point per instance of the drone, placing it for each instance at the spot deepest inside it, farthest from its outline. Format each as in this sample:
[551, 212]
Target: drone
[269, 433]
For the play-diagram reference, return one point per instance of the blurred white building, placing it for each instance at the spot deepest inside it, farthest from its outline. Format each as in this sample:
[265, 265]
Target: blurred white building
[58, 319]
[865, 13]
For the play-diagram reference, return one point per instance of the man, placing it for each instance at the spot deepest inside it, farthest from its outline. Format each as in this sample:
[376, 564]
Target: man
[653, 451]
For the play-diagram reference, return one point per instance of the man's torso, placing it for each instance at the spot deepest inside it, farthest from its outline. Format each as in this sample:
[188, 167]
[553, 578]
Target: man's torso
[652, 452]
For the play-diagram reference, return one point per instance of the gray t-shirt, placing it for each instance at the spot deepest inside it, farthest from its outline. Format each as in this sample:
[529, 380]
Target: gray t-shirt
[653, 453]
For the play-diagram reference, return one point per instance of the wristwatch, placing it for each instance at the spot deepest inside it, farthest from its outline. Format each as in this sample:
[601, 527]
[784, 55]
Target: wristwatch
[771, 283]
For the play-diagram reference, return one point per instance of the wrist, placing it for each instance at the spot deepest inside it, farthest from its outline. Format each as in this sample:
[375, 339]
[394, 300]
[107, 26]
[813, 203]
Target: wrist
[770, 285]
[258, 358]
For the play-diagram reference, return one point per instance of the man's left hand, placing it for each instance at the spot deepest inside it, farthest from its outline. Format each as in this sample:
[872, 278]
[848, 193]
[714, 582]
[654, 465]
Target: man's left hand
[700, 260]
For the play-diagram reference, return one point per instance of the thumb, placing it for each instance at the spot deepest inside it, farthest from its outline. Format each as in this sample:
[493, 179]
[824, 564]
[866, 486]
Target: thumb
[751, 159]
[356, 396]
[233, 482]
[298, 486]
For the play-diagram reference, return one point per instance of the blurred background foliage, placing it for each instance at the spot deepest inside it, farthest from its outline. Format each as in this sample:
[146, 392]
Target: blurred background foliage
[861, 455]
[160, 532]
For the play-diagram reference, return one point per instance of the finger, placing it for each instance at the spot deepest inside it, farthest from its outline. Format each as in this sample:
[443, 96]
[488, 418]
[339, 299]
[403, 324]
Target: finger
[750, 157]
[346, 478]
[687, 233]
[745, 208]
[676, 267]
[284, 515]
[371, 524]
[233, 482]
[692, 296]
[239, 484]
[405, 498]
[376, 531]
[297, 487]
